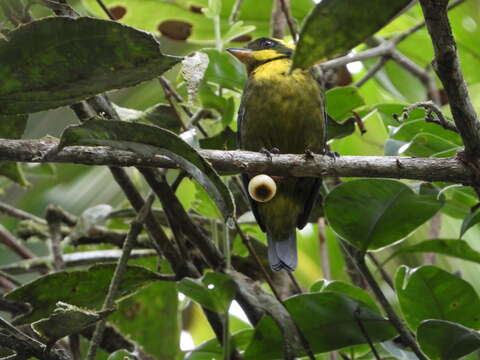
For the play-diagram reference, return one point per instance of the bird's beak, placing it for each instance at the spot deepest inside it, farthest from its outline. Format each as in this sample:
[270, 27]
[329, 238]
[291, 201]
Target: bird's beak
[242, 54]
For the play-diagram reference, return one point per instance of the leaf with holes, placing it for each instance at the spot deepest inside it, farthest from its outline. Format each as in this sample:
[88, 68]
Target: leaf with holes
[149, 140]
[429, 292]
[215, 291]
[445, 340]
[58, 61]
[336, 26]
[83, 288]
[373, 213]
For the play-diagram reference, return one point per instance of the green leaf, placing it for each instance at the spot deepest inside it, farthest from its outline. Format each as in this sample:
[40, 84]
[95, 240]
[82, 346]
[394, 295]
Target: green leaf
[373, 213]
[161, 115]
[13, 127]
[210, 100]
[57, 61]
[346, 289]
[215, 291]
[328, 320]
[237, 30]
[225, 70]
[336, 26]
[421, 138]
[451, 247]
[149, 140]
[83, 288]
[336, 130]
[135, 316]
[429, 292]
[445, 340]
[470, 221]
[226, 140]
[341, 101]
[66, 320]
[212, 350]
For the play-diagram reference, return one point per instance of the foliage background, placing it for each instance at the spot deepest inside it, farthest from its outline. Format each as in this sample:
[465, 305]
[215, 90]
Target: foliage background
[76, 188]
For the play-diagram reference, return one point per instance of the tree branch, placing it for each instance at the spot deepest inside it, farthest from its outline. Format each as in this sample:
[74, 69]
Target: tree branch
[426, 169]
[447, 67]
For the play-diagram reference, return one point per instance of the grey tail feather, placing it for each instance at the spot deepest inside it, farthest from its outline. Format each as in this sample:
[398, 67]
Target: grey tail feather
[282, 253]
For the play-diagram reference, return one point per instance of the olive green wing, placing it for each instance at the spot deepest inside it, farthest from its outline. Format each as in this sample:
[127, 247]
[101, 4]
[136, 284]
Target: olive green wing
[245, 178]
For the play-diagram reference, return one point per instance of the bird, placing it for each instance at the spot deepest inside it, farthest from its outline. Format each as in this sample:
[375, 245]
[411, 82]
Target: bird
[281, 111]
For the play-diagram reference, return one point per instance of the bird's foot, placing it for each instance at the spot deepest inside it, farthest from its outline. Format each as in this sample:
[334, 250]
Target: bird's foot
[269, 153]
[331, 154]
[308, 154]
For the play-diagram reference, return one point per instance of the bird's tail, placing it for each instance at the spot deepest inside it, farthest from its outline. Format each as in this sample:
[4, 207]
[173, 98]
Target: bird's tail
[282, 252]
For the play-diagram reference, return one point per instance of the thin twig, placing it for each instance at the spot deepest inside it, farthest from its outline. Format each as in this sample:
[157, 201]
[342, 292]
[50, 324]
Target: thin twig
[290, 21]
[7, 239]
[106, 10]
[19, 214]
[364, 331]
[235, 10]
[382, 271]
[431, 109]
[421, 24]
[135, 229]
[373, 71]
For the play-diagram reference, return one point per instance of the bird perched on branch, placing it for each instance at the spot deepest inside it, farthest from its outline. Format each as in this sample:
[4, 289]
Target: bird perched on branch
[281, 111]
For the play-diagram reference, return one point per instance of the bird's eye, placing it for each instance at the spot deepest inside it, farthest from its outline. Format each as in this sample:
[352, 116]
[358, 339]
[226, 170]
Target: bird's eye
[268, 43]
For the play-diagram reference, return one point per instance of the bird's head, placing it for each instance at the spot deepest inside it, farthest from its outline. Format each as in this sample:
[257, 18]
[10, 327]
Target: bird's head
[261, 51]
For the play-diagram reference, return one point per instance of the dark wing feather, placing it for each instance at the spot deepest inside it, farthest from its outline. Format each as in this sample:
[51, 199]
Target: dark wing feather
[245, 177]
[311, 189]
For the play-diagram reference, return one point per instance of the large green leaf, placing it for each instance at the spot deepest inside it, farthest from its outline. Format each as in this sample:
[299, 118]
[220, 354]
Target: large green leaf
[215, 291]
[57, 61]
[336, 26]
[149, 140]
[329, 321]
[346, 289]
[445, 340]
[373, 213]
[83, 288]
[450, 247]
[151, 312]
[429, 292]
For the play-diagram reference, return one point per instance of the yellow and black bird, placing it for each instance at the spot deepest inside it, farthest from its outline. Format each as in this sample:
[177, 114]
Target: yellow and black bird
[280, 111]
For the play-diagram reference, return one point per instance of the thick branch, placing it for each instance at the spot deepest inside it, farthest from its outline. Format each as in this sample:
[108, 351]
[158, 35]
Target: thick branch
[426, 169]
[447, 67]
